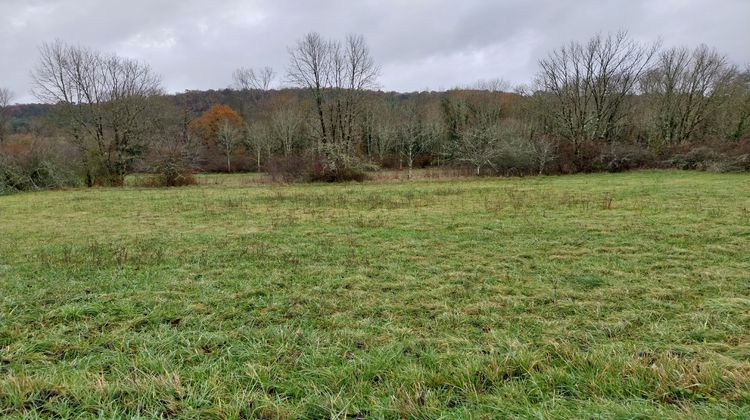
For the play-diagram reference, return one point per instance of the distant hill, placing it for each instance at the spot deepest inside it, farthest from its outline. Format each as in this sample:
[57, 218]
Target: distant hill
[198, 101]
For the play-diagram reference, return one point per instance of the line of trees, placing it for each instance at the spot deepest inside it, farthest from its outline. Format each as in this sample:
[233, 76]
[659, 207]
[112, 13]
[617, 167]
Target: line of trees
[610, 103]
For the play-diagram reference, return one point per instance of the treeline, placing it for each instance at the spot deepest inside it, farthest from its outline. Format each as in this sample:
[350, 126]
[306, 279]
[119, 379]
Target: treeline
[609, 104]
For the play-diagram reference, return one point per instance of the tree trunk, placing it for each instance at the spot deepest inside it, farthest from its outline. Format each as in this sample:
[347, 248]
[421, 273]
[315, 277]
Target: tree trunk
[321, 118]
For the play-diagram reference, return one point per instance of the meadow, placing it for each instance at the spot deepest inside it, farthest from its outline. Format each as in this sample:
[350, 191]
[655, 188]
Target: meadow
[586, 296]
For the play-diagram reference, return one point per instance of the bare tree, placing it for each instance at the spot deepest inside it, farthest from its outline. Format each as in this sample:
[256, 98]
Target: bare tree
[473, 128]
[737, 110]
[173, 152]
[285, 128]
[309, 68]
[228, 138]
[255, 109]
[544, 152]
[523, 89]
[250, 79]
[105, 99]
[361, 73]
[684, 90]
[418, 132]
[479, 146]
[592, 85]
[257, 138]
[336, 75]
[385, 129]
[492, 85]
[6, 96]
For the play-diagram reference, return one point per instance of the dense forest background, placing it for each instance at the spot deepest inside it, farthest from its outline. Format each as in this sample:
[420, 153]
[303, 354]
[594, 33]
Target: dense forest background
[609, 104]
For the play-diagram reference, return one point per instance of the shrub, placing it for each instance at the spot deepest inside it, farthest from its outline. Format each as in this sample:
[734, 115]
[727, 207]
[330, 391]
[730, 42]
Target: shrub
[165, 180]
[736, 164]
[335, 170]
[713, 157]
[170, 161]
[315, 168]
[620, 157]
[212, 160]
[572, 158]
[699, 158]
[516, 157]
[32, 164]
[287, 168]
[172, 171]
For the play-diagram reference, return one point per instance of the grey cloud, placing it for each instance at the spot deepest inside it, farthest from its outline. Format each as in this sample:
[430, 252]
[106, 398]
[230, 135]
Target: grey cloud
[419, 43]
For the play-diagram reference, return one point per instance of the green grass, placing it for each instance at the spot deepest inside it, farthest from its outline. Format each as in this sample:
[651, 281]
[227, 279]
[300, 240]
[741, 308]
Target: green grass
[475, 298]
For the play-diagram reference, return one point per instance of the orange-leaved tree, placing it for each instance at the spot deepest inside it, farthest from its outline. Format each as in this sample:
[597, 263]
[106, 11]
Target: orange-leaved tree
[222, 127]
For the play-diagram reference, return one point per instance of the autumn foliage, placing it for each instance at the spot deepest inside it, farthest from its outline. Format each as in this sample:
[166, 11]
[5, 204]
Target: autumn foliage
[208, 125]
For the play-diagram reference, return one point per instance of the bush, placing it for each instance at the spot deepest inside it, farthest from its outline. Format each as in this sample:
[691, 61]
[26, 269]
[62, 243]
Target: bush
[287, 168]
[162, 180]
[716, 157]
[30, 164]
[737, 164]
[315, 168]
[517, 157]
[619, 157]
[699, 158]
[172, 173]
[214, 161]
[573, 159]
[338, 170]
[170, 162]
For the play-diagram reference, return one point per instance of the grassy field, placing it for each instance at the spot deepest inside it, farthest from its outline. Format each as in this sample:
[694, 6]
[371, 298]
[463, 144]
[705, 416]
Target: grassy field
[609, 295]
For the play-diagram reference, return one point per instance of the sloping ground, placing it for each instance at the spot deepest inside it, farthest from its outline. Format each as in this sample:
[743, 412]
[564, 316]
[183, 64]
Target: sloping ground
[611, 295]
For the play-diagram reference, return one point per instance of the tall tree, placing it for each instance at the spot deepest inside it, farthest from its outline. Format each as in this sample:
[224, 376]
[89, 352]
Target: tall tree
[479, 140]
[418, 132]
[285, 129]
[309, 68]
[173, 152]
[385, 130]
[684, 90]
[255, 107]
[592, 85]
[105, 99]
[336, 74]
[220, 127]
[737, 110]
[228, 138]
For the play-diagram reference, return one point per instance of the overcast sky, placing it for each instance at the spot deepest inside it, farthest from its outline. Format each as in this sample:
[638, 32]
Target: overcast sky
[420, 44]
